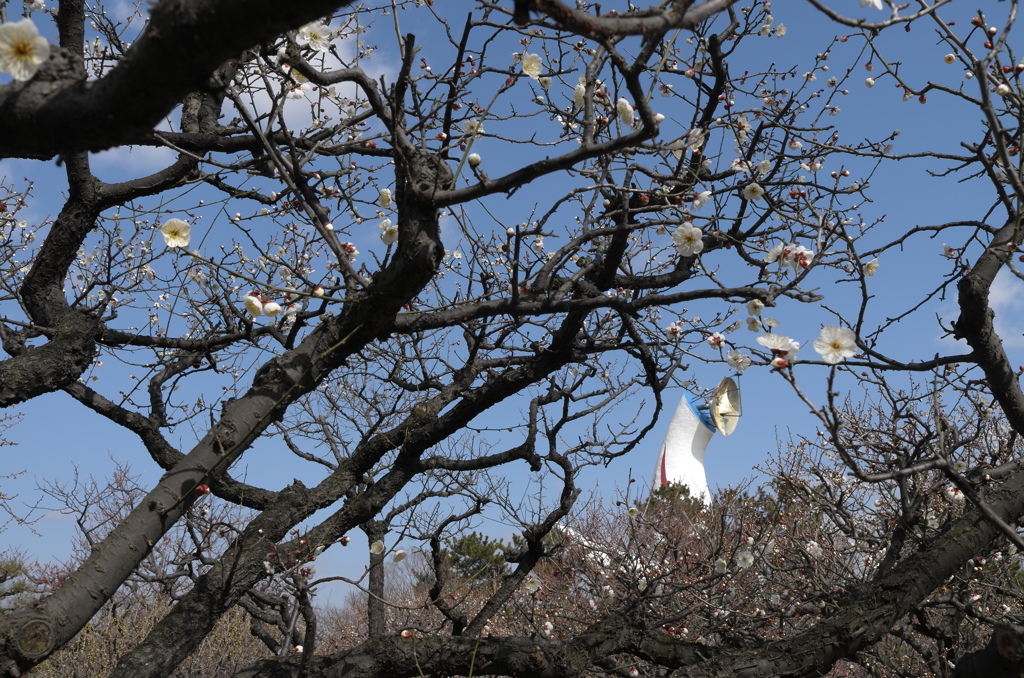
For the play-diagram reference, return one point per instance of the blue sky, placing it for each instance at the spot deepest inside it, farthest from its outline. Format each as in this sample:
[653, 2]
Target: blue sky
[57, 437]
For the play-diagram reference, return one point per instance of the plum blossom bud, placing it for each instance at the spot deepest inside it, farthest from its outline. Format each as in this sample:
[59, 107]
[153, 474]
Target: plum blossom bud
[474, 160]
[869, 82]
[318, 291]
[271, 308]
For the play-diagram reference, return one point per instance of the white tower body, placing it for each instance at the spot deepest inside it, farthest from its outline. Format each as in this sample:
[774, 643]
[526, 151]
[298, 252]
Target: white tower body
[682, 454]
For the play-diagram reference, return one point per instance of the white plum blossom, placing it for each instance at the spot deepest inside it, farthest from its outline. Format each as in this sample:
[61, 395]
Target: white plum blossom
[753, 324]
[398, 556]
[253, 305]
[687, 239]
[633, 512]
[701, 199]
[753, 192]
[836, 344]
[754, 307]
[877, 4]
[175, 233]
[316, 35]
[384, 199]
[721, 566]
[954, 495]
[473, 128]
[796, 256]
[532, 584]
[22, 49]
[625, 111]
[677, 147]
[742, 126]
[546, 628]
[532, 65]
[197, 275]
[814, 550]
[871, 267]
[740, 166]
[782, 348]
[377, 548]
[737, 360]
[948, 251]
[389, 232]
[350, 251]
[298, 91]
[578, 95]
[35, 5]
[271, 308]
[716, 340]
[673, 330]
[695, 138]
[744, 559]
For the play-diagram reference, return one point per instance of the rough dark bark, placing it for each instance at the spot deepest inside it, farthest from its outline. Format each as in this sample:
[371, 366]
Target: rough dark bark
[1003, 657]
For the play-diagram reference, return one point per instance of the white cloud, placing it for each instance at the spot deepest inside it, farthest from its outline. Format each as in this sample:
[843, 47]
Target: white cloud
[128, 162]
[1007, 300]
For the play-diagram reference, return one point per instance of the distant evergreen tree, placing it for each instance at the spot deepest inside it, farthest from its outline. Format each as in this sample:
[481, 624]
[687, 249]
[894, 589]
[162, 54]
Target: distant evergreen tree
[475, 557]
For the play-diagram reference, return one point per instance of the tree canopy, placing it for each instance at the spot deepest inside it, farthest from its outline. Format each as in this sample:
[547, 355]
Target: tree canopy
[396, 268]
